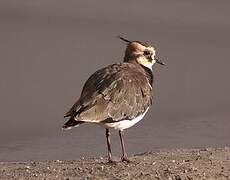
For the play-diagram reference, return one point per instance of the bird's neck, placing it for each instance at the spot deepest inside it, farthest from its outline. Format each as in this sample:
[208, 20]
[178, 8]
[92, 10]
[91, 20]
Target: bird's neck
[148, 71]
[149, 74]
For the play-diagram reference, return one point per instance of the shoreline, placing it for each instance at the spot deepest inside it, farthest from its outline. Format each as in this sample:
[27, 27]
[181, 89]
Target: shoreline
[207, 163]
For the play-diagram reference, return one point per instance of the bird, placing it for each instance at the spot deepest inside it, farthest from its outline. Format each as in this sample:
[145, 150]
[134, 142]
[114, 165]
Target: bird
[118, 95]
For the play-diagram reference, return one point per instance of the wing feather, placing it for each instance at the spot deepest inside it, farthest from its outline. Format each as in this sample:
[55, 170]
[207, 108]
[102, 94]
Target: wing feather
[113, 92]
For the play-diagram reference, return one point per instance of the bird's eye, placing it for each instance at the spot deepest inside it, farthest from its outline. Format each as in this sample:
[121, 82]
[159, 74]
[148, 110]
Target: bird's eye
[147, 53]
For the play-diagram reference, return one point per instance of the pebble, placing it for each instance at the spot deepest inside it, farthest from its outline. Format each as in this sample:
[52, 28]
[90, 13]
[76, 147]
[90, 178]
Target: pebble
[177, 177]
[35, 175]
[194, 169]
[189, 178]
[102, 168]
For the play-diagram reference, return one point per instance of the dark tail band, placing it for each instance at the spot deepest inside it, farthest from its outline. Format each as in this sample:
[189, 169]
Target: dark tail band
[71, 123]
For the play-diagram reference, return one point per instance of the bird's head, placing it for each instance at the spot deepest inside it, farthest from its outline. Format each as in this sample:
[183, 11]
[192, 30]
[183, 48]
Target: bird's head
[141, 52]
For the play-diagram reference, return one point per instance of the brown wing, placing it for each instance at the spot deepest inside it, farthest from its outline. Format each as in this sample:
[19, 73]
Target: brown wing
[97, 83]
[119, 91]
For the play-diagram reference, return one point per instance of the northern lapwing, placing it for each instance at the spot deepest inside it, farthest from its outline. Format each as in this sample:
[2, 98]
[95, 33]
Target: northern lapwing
[119, 95]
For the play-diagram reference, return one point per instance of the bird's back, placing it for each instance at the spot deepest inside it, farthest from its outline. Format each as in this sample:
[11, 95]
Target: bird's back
[116, 92]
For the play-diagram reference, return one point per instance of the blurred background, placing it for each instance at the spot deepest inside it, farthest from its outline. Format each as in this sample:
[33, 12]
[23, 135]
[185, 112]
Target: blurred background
[48, 49]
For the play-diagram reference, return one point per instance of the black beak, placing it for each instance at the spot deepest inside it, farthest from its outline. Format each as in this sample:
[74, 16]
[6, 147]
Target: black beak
[159, 62]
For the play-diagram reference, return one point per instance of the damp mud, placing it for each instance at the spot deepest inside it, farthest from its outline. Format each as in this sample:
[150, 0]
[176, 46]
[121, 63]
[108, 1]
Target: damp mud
[208, 163]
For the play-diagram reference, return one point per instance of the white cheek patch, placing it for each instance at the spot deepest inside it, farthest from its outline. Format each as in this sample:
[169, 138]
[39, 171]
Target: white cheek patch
[149, 64]
[143, 61]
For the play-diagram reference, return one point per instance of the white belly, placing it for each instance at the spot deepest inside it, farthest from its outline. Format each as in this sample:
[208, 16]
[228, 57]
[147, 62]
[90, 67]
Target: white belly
[124, 124]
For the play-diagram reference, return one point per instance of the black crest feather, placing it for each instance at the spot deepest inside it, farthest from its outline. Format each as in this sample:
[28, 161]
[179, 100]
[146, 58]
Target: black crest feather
[124, 39]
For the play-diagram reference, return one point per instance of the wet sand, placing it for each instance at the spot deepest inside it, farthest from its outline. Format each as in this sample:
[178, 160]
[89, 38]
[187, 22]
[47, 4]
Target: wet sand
[208, 163]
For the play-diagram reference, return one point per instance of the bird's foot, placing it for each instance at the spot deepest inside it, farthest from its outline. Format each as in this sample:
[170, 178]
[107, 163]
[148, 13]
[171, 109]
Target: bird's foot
[111, 161]
[125, 159]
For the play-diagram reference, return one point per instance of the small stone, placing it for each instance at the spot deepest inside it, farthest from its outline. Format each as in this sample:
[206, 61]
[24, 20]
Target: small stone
[102, 168]
[177, 177]
[168, 170]
[157, 175]
[35, 175]
[194, 169]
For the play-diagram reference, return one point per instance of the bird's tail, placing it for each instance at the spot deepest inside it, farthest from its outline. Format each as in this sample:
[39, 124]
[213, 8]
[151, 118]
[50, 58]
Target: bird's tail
[71, 123]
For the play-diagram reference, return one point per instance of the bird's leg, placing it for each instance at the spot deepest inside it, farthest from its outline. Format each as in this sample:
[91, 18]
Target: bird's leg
[124, 156]
[107, 133]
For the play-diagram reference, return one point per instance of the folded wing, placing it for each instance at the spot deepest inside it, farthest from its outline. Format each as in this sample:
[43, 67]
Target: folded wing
[116, 92]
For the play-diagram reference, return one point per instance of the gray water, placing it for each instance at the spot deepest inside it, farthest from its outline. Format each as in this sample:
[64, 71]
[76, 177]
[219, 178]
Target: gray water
[49, 48]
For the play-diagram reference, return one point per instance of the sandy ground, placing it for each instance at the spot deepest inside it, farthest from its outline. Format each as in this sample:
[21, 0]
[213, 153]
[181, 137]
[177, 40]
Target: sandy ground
[209, 163]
